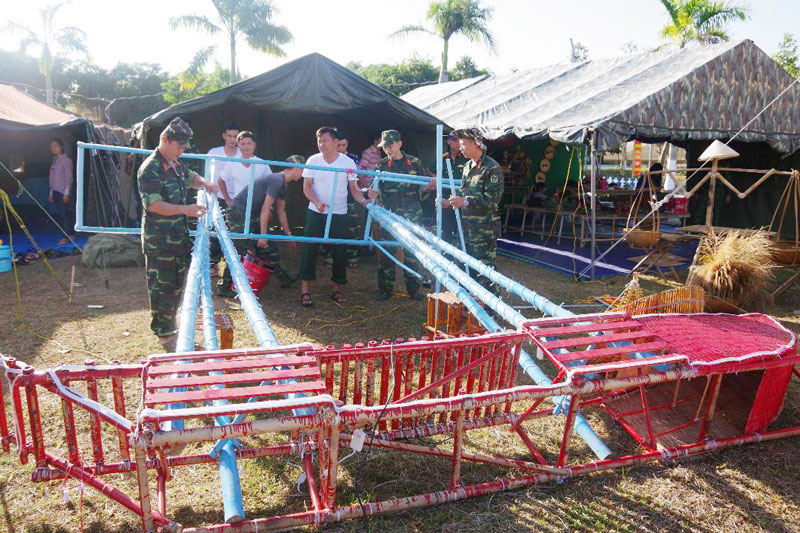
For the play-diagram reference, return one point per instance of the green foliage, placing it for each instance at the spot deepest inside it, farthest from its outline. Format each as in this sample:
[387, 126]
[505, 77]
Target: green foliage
[466, 68]
[786, 56]
[179, 88]
[702, 21]
[237, 19]
[579, 52]
[401, 78]
[51, 42]
[451, 17]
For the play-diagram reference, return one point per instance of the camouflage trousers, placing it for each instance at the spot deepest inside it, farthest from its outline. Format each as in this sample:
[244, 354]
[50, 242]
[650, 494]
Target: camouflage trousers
[386, 272]
[166, 274]
[481, 242]
[386, 267]
[271, 254]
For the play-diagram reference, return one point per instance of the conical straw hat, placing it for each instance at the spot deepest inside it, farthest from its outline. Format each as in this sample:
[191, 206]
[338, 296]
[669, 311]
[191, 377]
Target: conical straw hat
[717, 150]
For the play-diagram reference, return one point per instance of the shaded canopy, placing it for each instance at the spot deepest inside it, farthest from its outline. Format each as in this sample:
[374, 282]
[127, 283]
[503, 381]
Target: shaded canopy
[26, 127]
[286, 105]
[697, 93]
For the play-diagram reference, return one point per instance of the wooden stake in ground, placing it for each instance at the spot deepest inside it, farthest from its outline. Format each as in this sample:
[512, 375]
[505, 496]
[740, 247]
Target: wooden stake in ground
[71, 284]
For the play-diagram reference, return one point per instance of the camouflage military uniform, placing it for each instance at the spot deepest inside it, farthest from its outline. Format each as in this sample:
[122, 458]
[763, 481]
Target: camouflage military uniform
[165, 239]
[482, 187]
[449, 225]
[404, 200]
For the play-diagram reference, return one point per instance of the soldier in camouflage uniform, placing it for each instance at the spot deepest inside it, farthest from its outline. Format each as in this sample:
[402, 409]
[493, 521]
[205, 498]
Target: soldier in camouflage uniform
[404, 200]
[164, 183]
[457, 162]
[478, 198]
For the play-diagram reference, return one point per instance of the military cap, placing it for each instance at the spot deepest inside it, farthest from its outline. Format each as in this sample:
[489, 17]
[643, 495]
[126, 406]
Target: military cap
[471, 133]
[389, 137]
[299, 159]
[178, 130]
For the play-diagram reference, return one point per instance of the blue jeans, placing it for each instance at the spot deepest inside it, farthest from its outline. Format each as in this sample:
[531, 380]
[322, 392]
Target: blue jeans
[63, 214]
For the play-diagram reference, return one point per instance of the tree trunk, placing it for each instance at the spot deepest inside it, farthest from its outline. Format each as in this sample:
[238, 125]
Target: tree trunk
[443, 76]
[232, 76]
[48, 88]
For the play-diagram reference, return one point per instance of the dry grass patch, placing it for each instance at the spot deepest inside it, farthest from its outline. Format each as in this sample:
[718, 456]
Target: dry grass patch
[746, 489]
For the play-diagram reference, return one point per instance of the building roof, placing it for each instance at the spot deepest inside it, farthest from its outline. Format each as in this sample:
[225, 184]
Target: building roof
[18, 109]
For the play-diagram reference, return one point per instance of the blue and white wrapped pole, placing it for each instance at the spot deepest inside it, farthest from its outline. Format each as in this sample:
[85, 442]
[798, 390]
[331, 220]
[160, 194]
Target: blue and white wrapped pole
[438, 265]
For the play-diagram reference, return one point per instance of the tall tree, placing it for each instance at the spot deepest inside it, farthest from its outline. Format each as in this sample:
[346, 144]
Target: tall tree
[703, 21]
[401, 78]
[51, 40]
[786, 56]
[466, 68]
[251, 19]
[451, 17]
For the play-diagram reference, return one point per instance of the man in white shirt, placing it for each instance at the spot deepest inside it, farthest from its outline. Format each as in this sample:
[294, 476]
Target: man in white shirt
[318, 187]
[229, 149]
[235, 176]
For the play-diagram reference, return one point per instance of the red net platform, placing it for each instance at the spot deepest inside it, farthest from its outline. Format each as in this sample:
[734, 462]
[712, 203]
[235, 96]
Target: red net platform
[591, 344]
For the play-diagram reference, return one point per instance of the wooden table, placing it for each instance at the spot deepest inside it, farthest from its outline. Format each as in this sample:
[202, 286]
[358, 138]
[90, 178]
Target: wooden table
[615, 220]
[661, 256]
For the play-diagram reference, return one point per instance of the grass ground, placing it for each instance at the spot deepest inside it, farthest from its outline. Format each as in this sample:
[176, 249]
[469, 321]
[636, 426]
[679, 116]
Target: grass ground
[743, 489]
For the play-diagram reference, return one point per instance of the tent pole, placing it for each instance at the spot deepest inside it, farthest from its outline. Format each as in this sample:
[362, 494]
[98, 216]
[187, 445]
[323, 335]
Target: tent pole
[593, 189]
[438, 199]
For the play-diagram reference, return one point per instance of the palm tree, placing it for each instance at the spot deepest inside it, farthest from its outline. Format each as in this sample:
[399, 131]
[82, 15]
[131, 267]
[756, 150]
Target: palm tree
[67, 38]
[702, 21]
[450, 17]
[237, 18]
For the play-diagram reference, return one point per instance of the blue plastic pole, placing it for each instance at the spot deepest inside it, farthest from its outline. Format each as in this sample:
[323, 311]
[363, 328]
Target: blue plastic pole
[79, 187]
[396, 260]
[438, 199]
[456, 212]
[230, 485]
[249, 209]
[386, 176]
[428, 257]
[252, 311]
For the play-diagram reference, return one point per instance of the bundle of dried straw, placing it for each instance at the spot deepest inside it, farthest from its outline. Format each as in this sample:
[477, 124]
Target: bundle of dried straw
[737, 268]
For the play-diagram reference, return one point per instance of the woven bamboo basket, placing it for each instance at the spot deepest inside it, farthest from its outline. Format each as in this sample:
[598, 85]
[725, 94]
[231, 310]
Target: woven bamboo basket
[786, 253]
[649, 235]
[641, 238]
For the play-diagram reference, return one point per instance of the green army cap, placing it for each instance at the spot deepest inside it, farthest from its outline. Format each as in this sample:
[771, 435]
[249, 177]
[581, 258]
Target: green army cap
[471, 133]
[178, 130]
[299, 159]
[389, 137]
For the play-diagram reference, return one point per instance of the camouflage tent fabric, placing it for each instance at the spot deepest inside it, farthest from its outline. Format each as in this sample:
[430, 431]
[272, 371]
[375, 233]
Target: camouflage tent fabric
[678, 95]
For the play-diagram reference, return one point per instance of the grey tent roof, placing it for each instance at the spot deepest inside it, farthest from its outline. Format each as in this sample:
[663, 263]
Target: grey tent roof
[310, 85]
[694, 93]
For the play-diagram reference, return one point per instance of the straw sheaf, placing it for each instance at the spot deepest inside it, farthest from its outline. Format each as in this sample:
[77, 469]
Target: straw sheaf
[736, 267]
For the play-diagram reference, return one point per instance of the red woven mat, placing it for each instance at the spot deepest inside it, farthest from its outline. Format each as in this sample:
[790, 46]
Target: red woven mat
[708, 339]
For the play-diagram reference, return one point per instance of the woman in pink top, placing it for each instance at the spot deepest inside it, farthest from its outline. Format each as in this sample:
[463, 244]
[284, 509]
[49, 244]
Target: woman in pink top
[61, 187]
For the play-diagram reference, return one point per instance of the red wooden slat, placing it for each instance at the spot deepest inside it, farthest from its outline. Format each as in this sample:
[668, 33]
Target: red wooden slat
[645, 361]
[585, 328]
[606, 352]
[574, 319]
[230, 379]
[232, 393]
[242, 364]
[596, 339]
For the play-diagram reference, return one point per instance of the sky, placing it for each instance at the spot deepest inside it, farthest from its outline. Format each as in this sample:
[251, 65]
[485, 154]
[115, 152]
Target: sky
[528, 33]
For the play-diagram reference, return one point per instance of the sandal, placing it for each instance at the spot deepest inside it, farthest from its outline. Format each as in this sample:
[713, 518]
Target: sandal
[305, 300]
[338, 297]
